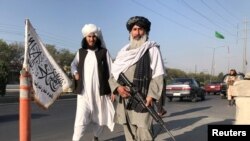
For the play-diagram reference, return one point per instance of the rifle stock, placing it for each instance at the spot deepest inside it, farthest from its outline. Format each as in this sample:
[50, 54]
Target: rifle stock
[134, 93]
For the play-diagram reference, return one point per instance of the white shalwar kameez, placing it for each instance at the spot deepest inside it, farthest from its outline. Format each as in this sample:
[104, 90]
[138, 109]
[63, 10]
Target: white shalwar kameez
[93, 111]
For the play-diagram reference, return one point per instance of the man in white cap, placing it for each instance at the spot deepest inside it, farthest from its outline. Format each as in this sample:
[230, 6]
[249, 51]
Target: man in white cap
[141, 62]
[91, 69]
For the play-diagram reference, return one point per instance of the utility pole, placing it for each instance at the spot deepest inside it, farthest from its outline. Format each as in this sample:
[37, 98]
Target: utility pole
[244, 63]
[213, 64]
[195, 69]
[213, 60]
[228, 60]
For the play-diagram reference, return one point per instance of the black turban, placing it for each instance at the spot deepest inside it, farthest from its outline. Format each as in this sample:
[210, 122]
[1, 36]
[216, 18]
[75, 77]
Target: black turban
[139, 21]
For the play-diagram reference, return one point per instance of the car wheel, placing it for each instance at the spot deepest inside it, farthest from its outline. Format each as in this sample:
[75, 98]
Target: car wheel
[181, 98]
[194, 97]
[203, 96]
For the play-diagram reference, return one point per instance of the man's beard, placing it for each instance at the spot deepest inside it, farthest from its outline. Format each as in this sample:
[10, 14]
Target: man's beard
[135, 43]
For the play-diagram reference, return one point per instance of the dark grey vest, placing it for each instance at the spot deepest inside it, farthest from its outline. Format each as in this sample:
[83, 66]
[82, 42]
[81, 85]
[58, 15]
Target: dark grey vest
[103, 71]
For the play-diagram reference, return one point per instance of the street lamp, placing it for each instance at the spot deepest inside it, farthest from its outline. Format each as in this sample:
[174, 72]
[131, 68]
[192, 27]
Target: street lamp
[213, 62]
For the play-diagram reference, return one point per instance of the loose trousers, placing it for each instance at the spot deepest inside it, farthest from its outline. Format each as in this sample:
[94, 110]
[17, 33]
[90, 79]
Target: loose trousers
[134, 133]
[84, 120]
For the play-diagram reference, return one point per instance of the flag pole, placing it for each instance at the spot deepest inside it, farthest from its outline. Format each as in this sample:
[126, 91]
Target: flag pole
[24, 98]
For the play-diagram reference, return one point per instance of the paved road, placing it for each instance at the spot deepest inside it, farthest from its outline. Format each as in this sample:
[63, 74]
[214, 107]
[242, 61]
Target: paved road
[187, 120]
[12, 94]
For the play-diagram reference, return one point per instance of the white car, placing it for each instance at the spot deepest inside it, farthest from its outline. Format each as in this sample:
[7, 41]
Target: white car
[185, 88]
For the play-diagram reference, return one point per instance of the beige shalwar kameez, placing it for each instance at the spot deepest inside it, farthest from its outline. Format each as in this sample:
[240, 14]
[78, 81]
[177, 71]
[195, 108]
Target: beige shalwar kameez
[139, 123]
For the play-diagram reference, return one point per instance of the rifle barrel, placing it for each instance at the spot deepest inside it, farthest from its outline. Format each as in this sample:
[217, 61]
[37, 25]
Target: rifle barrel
[151, 110]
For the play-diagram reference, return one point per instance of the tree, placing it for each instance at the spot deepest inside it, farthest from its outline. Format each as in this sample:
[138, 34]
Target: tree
[174, 73]
[3, 77]
[53, 51]
[202, 77]
[220, 76]
[12, 56]
[5, 52]
[62, 57]
[16, 57]
[13, 53]
[65, 57]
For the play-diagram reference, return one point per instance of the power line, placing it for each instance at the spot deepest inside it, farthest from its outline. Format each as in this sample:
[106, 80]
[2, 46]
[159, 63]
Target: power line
[205, 17]
[59, 41]
[12, 32]
[219, 15]
[168, 19]
[179, 13]
[229, 13]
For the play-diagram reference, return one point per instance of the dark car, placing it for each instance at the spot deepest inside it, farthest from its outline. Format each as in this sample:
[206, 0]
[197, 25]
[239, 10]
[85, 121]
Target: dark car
[185, 88]
[216, 87]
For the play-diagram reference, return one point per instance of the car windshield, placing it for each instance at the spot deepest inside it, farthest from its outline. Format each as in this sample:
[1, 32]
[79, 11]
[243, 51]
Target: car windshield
[182, 81]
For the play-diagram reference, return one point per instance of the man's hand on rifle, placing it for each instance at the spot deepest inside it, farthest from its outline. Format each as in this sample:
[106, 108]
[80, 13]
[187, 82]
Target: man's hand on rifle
[149, 101]
[123, 91]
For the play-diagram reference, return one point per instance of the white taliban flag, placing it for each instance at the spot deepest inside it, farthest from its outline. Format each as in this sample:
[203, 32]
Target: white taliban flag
[48, 79]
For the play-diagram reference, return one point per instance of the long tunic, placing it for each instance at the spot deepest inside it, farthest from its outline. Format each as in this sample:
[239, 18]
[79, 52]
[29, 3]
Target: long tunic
[230, 81]
[101, 107]
[155, 87]
[139, 119]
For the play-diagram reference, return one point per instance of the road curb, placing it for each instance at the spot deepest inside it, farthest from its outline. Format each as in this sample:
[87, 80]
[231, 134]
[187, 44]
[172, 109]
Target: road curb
[14, 98]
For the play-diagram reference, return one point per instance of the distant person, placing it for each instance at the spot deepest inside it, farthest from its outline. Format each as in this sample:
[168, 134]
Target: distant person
[231, 78]
[91, 69]
[141, 62]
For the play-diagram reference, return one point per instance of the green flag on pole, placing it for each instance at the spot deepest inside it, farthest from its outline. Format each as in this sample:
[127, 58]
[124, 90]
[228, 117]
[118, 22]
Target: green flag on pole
[218, 35]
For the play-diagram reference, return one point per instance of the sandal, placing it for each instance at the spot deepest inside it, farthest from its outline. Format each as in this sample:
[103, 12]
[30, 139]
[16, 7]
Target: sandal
[162, 113]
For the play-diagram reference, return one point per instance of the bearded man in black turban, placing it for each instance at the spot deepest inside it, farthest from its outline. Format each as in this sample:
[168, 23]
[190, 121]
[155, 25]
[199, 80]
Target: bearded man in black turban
[141, 62]
[139, 21]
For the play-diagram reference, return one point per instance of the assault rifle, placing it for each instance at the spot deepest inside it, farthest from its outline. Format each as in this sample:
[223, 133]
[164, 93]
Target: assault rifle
[137, 96]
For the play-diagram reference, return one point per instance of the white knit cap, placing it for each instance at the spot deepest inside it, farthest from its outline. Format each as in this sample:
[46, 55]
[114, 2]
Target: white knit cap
[91, 28]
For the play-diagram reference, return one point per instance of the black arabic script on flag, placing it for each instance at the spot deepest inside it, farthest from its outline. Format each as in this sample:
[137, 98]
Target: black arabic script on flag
[42, 69]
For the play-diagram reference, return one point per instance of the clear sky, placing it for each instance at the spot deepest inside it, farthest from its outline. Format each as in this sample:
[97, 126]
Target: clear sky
[185, 29]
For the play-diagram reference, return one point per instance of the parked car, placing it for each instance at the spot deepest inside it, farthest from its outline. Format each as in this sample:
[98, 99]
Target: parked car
[216, 87]
[185, 88]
